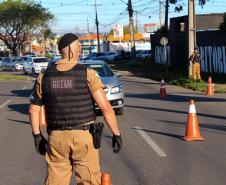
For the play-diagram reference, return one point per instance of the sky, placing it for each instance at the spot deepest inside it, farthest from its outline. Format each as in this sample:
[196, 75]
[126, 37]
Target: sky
[75, 15]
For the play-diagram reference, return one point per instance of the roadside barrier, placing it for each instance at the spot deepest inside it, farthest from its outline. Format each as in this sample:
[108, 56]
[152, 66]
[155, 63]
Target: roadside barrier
[192, 130]
[162, 89]
[106, 179]
[210, 89]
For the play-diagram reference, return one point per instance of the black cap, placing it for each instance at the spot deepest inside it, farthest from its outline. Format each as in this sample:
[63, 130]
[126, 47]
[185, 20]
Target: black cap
[66, 40]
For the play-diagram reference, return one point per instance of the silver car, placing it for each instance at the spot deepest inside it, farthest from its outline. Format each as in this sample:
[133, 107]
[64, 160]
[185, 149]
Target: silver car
[113, 87]
[8, 64]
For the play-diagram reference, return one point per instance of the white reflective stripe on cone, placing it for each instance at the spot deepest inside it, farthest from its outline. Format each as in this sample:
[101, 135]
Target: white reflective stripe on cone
[192, 109]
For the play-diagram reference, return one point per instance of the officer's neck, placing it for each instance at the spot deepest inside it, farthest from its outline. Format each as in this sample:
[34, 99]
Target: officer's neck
[71, 60]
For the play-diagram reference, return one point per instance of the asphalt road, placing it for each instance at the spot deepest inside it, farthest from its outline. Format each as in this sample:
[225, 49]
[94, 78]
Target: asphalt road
[153, 151]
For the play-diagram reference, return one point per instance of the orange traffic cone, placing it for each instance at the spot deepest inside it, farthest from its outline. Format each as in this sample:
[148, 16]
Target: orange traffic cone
[210, 90]
[106, 179]
[192, 130]
[42, 117]
[162, 89]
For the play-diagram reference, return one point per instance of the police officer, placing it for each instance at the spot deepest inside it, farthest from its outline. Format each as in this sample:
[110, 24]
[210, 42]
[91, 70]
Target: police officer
[67, 90]
[195, 59]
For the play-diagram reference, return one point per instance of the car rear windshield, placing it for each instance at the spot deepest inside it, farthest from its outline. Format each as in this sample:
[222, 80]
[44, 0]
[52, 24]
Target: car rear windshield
[40, 60]
[18, 60]
[102, 69]
[6, 59]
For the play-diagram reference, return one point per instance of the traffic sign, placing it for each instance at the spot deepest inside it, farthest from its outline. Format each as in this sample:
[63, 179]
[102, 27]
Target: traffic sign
[164, 41]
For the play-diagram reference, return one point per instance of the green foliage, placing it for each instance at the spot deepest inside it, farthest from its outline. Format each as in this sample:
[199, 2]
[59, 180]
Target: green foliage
[19, 19]
[223, 24]
[49, 56]
[189, 83]
[179, 4]
[47, 33]
[11, 77]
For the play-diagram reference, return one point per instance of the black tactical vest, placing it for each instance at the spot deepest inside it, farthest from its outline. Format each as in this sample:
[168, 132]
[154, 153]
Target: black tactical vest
[196, 58]
[67, 97]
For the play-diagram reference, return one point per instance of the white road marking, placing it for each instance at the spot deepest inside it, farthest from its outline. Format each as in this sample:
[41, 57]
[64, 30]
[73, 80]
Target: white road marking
[150, 142]
[24, 88]
[5, 103]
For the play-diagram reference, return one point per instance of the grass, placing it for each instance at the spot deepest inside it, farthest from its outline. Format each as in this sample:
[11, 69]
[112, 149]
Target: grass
[12, 77]
[149, 69]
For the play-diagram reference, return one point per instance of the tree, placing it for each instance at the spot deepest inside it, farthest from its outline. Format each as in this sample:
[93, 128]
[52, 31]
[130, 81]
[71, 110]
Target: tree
[48, 33]
[223, 24]
[178, 7]
[19, 20]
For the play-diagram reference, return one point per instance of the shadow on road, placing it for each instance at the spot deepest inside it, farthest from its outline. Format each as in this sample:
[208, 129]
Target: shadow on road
[107, 136]
[21, 108]
[22, 93]
[161, 133]
[206, 125]
[176, 111]
[19, 93]
[138, 82]
[175, 98]
[19, 121]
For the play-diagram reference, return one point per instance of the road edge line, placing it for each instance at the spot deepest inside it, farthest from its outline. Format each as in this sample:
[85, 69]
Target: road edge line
[150, 142]
[5, 103]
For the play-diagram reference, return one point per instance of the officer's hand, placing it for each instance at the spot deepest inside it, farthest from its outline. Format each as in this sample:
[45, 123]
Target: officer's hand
[40, 143]
[116, 143]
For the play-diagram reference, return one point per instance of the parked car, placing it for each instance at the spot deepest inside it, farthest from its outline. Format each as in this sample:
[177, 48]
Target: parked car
[54, 60]
[113, 87]
[35, 65]
[126, 55]
[18, 62]
[8, 64]
[24, 58]
[111, 56]
[97, 56]
[1, 58]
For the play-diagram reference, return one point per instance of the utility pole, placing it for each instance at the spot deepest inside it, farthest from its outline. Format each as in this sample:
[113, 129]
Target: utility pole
[137, 22]
[166, 14]
[43, 42]
[160, 13]
[88, 35]
[191, 32]
[97, 25]
[132, 40]
[43, 38]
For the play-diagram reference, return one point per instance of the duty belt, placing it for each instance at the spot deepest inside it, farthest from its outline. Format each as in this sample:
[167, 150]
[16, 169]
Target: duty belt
[63, 128]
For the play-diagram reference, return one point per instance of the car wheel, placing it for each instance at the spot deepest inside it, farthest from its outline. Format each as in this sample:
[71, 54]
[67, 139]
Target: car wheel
[24, 71]
[119, 111]
[33, 71]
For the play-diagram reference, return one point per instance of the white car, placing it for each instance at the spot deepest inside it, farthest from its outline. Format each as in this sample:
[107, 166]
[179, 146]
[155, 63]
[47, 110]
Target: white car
[35, 65]
[18, 62]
